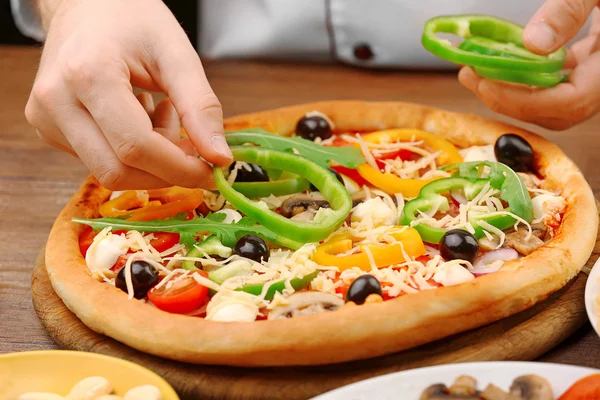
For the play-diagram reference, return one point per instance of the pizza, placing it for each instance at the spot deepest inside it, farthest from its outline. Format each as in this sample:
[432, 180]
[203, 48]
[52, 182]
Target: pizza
[344, 230]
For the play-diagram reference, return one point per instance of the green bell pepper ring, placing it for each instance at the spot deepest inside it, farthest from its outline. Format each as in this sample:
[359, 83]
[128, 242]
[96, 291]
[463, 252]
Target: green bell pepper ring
[486, 46]
[234, 268]
[430, 196]
[307, 232]
[211, 246]
[283, 187]
[229, 271]
[494, 48]
[542, 79]
[492, 28]
[279, 286]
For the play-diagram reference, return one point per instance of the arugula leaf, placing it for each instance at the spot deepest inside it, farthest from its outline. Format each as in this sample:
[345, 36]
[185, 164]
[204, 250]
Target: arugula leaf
[503, 178]
[228, 234]
[347, 156]
[182, 216]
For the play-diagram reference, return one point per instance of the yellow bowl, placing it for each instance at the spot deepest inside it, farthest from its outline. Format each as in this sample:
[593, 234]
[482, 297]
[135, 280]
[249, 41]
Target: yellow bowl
[57, 371]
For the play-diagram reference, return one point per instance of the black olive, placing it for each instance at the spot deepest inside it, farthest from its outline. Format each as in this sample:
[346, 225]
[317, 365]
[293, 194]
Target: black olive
[458, 244]
[313, 188]
[252, 247]
[143, 277]
[256, 173]
[362, 287]
[514, 151]
[313, 127]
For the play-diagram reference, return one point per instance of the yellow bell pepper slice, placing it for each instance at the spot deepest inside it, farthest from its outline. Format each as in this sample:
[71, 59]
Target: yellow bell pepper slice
[409, 240]
[170, 194]
[393, 184]
[171, 209]
[139, 207]
[121, 205]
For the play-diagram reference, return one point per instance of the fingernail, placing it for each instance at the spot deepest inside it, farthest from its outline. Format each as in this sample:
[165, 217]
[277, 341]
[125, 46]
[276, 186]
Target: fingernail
[219, 144]
[541, 36]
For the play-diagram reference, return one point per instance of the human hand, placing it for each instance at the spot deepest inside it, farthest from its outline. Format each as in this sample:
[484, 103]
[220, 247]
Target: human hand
[566, 104]
[82, 99]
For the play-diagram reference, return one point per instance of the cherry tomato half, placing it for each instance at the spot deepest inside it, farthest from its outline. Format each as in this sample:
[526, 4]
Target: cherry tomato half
[164, 240]
[184, 296]
[352, 174]
[121, 261]
[86, 238]
[587, 388]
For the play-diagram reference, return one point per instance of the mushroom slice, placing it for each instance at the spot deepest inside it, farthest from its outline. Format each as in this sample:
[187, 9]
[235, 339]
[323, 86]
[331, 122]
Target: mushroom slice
[441, 392]
[311, 201]
[493, 392]
[464, 385]
[517, 241]
[531, 387]
[306, 303]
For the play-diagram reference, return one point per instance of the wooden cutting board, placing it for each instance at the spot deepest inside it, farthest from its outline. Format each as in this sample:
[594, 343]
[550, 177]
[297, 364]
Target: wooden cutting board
[524, 336]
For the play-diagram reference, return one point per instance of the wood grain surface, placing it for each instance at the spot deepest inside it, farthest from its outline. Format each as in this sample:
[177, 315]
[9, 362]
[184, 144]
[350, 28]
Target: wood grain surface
[36, 181]
[524, 336]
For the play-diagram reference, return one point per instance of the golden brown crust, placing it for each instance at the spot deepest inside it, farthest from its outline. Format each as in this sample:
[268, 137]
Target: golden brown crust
[355, 332]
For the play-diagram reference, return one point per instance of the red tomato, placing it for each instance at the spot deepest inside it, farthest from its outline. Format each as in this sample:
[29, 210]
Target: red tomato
[352, 174]
[338, 142]
[403, 154]
[119, 264]
[164, 240]
[587, 388]
[342, 290]
[423, 259]
[184, 296]
[85, 239]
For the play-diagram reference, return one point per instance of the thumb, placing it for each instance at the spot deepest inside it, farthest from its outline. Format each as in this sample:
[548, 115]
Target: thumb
[555, 23]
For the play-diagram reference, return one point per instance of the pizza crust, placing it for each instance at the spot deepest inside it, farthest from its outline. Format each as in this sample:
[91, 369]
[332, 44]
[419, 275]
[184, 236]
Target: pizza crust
[350, 333]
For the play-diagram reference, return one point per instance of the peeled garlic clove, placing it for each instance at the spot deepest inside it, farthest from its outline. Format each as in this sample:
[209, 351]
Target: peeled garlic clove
[145, 392]
[40, 396]
[90, 388]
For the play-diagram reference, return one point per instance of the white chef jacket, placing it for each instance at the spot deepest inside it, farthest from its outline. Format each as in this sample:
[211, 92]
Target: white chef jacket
[369, 33]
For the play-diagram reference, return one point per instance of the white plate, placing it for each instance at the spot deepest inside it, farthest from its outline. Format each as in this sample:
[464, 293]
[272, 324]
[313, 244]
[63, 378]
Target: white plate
[408, 385]
[592, 290]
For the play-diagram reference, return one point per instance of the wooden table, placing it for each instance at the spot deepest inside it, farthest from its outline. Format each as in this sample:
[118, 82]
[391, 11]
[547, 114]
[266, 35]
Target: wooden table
[36, 181]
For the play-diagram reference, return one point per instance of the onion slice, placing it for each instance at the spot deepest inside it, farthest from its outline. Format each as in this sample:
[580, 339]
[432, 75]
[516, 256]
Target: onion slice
[458, 197]
[488, 262]
[431, 251]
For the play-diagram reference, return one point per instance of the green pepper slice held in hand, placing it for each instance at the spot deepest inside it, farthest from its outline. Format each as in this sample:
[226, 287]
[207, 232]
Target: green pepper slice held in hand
[494, 48]
[307, 232]
[480, 45]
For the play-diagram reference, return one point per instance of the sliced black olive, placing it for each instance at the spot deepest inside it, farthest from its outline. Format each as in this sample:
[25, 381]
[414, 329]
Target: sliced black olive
[312, 127]
[313, 188]
[256, 173]
[143, 277]
[252, 247]
[458, 244]
[362, 287]
[514, 151]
